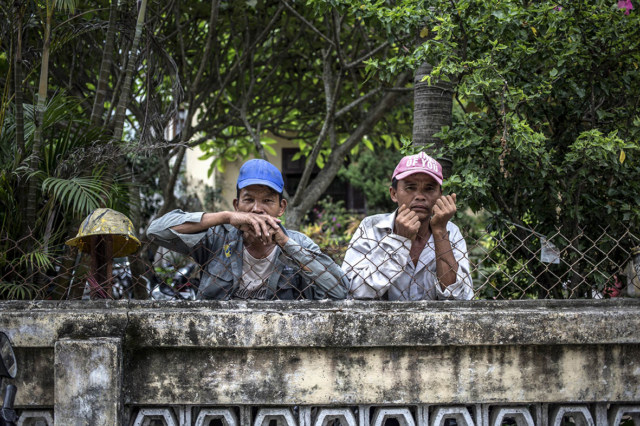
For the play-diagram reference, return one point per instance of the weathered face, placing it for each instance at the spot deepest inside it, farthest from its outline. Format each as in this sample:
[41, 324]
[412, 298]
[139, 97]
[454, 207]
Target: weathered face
[419, 192]
[260, 199]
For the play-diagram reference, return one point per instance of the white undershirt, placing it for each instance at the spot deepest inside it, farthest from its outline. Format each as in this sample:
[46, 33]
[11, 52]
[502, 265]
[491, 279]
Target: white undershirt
[255, 274]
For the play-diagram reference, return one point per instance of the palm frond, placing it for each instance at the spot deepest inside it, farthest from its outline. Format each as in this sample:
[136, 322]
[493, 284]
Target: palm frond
[12, 291]
[80, 194]
[67, 5]
[36, 260]
[68, 33]
[60, 108]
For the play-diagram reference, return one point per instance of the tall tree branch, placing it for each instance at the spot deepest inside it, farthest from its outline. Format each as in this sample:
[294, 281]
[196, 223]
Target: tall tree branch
[126, 88]
[313, 156]
[307, 23]
[105, 66]
[321, 182]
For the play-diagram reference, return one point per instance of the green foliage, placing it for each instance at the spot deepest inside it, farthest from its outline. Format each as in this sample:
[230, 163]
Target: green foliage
[72, 186]
[66, 5]
[221, 152]
[19, 291]
[544, 134]
[78, 194]
[370, 172]
[546, 126]
[48, 186]
[37, 258]
[331, 226]
[289, 96]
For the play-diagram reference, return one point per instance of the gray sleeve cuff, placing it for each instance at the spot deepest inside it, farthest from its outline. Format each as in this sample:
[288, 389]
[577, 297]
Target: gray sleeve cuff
[462, 289]
[161, 227]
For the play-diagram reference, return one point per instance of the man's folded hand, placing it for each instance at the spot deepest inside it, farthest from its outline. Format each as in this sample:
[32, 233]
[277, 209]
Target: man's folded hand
[443, 211]
[260, 225]
[407, 223]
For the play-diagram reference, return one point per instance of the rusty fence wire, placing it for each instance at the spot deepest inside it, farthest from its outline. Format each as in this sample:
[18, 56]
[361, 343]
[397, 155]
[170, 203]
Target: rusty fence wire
[510, 263]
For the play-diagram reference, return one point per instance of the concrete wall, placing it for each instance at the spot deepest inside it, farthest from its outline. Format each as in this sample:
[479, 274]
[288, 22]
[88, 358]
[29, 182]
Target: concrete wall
[305, 363]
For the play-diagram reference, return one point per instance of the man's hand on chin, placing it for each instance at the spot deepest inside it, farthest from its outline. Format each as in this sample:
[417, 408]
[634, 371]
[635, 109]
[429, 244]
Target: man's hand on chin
[407, 223]
[443, 211]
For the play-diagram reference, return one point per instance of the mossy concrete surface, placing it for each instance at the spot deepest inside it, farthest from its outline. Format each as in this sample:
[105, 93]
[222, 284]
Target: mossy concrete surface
[231, 324]
[407, 375]
[318, 353]
[88, 382]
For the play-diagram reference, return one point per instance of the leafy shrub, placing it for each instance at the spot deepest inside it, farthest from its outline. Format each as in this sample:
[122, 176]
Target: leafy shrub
[331, 226]
[371, 172]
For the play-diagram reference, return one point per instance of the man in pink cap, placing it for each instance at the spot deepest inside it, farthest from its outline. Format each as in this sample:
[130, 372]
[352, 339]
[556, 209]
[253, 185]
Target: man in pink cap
[414, 253]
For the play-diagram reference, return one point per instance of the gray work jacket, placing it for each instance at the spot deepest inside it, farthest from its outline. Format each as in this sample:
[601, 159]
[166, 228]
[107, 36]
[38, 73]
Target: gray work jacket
[218, 251]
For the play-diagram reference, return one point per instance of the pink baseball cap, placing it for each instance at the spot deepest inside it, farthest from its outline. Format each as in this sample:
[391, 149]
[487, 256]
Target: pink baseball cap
[419, 163]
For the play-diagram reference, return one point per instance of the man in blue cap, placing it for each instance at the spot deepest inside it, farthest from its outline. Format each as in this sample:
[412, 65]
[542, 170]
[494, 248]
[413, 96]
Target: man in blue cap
[247, 253]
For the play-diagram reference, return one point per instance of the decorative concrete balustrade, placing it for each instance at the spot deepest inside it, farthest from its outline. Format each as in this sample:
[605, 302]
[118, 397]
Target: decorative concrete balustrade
[323, 363]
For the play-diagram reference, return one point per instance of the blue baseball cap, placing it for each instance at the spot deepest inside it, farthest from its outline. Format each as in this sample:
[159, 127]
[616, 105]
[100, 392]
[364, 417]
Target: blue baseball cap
[260, 172]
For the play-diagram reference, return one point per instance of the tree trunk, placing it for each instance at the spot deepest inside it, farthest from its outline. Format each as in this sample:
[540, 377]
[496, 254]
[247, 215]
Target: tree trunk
[105, 66]
[126, 88]
[37, 138]
[19, 113]
[123, 101]
[138, 262]
[433, 108]
[168, 191]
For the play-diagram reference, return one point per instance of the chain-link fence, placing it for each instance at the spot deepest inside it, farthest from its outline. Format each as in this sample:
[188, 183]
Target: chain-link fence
[513, 262]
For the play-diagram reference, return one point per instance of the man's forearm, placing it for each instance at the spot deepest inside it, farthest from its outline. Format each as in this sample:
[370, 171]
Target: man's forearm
[446, 264]
[208, 220]
[317, 267]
